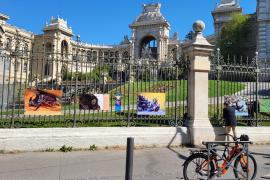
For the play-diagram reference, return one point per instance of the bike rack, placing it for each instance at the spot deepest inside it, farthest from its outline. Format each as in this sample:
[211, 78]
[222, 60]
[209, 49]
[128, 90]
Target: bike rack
[211, 149]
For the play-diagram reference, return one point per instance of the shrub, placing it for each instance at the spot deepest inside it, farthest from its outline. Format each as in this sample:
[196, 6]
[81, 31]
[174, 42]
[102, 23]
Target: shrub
[93, 147]
[49, 150]
[65, 148]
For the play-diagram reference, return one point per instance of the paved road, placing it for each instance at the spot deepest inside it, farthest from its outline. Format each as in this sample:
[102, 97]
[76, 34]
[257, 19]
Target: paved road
[149, 164]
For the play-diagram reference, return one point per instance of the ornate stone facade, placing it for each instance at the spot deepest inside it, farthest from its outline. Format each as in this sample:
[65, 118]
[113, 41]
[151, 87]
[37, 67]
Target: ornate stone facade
[150, 36]
[259, 24]
[11, 39]
[263, 24]
[222, 13]
[56, 45]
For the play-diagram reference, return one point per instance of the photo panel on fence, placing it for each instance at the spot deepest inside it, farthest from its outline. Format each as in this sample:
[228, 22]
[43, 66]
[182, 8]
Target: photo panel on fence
[241, 108]
[118, 103]
[240, 103]
[264, 106]
[151, 104]
[94, 102]
[42, 102]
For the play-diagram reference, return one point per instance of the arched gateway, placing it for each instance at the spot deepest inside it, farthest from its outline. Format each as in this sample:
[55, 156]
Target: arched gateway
[150, 34]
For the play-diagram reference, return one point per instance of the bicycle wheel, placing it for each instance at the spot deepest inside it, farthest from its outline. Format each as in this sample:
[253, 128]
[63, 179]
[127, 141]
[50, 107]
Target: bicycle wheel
[245, 167]
[196, 167]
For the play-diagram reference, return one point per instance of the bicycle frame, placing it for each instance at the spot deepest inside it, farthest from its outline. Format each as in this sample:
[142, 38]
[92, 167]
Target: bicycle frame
[234, 153]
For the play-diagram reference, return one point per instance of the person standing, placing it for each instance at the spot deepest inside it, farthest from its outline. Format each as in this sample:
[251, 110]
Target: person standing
[229, 118]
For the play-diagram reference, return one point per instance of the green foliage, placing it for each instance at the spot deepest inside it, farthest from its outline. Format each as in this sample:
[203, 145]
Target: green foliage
[216, 121]
[65, 148]
[94, 76]
[49, 150]
[170, 88]
[145, 75]
[233, 35]
[93, 147]
[189, 35]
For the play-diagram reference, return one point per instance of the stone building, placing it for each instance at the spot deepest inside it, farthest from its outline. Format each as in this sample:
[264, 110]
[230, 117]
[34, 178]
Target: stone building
[13, 39]
[258, 38]
[263, 31]
[150, 35]
[48, 53]
[222, 13]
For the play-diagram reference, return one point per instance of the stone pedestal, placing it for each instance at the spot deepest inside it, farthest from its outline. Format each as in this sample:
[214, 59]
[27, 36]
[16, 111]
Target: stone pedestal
[198, 51]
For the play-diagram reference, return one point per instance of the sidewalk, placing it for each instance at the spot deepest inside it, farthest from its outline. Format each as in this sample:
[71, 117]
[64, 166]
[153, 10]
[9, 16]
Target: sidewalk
[149, 164]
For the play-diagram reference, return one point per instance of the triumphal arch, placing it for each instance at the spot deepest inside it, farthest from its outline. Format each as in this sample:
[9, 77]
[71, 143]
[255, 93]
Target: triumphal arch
[150, 34]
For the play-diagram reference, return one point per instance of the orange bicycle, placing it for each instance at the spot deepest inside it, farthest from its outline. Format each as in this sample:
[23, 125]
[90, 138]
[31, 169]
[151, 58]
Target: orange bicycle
[207, 163]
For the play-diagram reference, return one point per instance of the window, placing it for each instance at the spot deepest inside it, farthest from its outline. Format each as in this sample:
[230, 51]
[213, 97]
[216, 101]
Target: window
[47, 69]
[64, 48]
[89, 54]
[25, 67]
[1, 42]
[125, 56]
[8, 43]
[25, 49]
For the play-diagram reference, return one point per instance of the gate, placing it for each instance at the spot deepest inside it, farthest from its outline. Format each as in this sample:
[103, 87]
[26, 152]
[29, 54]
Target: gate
[79, 76]
[246, 80]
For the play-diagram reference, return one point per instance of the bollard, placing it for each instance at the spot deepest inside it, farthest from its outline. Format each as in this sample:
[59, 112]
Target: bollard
[129, 158]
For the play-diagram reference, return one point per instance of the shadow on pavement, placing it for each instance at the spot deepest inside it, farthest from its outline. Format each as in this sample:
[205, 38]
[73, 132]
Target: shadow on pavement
[184, 136]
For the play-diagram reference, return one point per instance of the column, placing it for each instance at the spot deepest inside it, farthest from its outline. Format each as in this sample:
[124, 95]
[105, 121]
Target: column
[198, 52]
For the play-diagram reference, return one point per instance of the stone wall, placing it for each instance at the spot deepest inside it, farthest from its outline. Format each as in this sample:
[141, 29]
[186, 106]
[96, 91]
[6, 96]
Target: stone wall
[42, 139]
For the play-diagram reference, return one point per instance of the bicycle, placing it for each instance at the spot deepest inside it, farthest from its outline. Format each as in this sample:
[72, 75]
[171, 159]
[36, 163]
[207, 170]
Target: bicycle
[207, 161]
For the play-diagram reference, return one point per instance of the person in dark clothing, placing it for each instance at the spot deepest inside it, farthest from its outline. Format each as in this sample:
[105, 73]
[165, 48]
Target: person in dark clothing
[229, 118]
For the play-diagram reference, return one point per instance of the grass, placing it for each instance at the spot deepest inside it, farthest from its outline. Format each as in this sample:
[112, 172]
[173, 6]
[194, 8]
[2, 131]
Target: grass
[90, 119]
[112, 119]
[175, 90]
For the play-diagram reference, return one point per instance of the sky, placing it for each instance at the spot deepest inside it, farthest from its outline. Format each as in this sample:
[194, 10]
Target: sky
[107, 21]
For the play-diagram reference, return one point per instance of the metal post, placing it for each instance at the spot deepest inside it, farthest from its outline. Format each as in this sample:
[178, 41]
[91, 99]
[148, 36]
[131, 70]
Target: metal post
[14, 88]
[76, 81]
[129, 81]
[176, 95]
[16, 59]
[218, 77]
[247, 153]
[257, 81]
[208, 159]
[129, 158]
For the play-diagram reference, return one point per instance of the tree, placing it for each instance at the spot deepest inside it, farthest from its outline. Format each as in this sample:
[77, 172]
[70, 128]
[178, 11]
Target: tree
[233, 35]
[189, 35]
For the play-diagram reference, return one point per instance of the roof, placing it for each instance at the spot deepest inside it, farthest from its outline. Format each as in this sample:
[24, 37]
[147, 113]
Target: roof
[2, 30]
[228, 5]
[3, 17]
[58, 24]
[151, 15]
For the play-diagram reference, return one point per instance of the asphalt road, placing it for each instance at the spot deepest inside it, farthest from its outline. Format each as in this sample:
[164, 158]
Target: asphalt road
[149, 164]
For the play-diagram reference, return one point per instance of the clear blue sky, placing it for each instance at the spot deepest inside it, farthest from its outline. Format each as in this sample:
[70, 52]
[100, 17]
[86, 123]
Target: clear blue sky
[106, 21]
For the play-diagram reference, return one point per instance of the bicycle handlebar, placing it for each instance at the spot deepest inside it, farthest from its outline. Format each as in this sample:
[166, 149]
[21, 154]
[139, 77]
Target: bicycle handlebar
[235, 140]
[226, 134]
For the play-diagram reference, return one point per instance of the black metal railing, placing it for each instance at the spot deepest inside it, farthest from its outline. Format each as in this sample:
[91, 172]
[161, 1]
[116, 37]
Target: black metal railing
[245, 79]
[77, 74]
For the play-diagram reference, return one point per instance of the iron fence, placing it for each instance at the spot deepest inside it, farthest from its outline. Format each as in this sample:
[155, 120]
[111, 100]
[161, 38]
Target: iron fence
[85, 74]
[245, 79]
